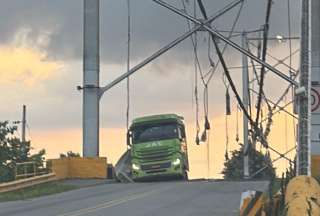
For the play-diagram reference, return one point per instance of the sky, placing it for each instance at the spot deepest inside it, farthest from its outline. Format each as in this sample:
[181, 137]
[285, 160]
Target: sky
[41, 65]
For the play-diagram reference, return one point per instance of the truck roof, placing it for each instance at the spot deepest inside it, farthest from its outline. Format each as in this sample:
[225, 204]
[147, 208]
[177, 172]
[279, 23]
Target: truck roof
[158, 118]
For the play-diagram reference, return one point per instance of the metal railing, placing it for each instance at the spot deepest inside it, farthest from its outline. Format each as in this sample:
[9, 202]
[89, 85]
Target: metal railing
[27, 169]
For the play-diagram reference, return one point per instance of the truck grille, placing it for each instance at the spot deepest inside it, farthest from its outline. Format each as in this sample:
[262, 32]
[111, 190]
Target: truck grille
[153, 155]
[156, 166]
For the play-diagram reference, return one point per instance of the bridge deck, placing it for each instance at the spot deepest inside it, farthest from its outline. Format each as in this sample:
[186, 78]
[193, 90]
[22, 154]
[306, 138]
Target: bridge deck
[164, 198]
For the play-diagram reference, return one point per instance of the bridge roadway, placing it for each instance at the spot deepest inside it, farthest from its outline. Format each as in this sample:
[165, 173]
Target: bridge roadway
[200, 198]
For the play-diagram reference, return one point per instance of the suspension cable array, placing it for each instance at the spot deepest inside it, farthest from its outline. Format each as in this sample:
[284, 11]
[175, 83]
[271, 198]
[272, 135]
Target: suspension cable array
[260, 124]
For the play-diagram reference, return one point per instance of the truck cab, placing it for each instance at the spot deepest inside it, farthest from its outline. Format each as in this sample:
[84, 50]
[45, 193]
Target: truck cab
[158, 147]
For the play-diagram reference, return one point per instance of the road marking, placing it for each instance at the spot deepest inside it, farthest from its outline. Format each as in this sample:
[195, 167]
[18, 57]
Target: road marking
[112, 203]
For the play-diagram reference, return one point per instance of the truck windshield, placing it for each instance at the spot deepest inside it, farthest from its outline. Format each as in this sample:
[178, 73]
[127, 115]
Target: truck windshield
[154, 132]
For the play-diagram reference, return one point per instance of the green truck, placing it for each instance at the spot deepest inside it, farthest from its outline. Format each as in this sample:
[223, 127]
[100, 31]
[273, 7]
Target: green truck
[158, 147]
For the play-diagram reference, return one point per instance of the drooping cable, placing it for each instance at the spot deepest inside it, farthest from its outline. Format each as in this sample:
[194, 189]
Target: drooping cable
[203, 11]
[229, 36]
[227, 114]
[237, 124]
[198, 69]
[258, 132]
[224, 66]
[194, 41]
[263, 57]
[226, 155]
[290, 62]
[128, 61]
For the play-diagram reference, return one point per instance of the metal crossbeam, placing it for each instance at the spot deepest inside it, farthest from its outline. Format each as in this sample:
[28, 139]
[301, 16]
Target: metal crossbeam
[167, 47]
[226, 40]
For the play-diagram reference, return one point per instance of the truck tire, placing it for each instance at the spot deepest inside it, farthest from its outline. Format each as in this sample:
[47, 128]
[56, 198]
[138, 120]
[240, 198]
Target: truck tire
[185, 176]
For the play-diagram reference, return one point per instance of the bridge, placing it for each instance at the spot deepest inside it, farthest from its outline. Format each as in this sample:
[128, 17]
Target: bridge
[138, 199]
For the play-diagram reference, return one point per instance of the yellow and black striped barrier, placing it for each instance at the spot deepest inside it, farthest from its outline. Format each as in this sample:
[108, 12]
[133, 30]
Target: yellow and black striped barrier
[251, 203]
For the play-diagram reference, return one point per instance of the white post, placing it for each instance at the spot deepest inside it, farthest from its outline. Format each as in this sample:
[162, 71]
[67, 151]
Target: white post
[91, 71]
[245, 98]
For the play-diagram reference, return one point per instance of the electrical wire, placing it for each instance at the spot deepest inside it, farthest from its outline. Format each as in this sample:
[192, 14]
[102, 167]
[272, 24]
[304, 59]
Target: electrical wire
[128, 61]
[230, 34]
[198, 68]
[227, 138]
[280, 61]
[264, 52]
[290, 63]
[203, 11]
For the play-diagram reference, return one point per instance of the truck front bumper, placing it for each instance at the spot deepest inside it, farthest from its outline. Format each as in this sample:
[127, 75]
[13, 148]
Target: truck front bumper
[156, 172]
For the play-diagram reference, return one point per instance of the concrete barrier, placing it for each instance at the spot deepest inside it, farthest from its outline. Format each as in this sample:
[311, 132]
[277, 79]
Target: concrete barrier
[60, 167]
[303, 196]
[77, 167]
[23, 183]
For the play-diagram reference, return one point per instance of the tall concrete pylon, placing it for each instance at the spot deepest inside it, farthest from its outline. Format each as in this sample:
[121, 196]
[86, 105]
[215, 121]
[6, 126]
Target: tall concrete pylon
[91, 70]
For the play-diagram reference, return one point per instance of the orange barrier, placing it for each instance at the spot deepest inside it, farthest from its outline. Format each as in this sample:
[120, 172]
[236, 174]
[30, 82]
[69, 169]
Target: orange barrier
[79, 167]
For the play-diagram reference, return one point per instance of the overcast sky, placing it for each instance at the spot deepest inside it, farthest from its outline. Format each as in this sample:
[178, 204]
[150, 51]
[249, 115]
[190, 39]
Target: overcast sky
[54, 29]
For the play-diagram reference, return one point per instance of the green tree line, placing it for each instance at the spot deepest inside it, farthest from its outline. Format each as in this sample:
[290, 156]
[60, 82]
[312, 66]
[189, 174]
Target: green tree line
[13, 151]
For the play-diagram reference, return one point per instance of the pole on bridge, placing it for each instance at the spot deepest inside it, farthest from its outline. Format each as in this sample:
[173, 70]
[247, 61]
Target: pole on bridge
[91, 70]
[245, 99]
[304, 139]
[315, 84]
[23, 124]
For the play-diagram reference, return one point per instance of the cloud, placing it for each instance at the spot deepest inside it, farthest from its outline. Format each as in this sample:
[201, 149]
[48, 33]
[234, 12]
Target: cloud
[24, 61]
[152, 25]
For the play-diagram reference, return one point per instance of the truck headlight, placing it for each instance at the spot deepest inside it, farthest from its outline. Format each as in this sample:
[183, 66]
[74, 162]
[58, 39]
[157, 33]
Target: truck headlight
[135, 167]
[176, 162]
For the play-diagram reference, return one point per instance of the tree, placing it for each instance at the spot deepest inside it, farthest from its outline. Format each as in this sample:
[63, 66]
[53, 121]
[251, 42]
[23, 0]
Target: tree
[69, 154]
[13, 151]
[233, 168]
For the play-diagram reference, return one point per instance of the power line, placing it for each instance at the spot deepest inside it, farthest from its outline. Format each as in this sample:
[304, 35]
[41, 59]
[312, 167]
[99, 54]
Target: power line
[230, 34]
[264, 52]
[128, 62]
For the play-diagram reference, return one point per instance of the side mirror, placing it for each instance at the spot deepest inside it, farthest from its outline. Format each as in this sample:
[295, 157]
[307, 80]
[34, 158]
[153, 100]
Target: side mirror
[129, 135]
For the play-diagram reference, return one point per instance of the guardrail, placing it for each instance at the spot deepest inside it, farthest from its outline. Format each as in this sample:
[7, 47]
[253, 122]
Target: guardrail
[23, 183]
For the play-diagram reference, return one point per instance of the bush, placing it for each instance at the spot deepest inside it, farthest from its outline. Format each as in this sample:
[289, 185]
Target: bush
[233, 168]
[69, 154]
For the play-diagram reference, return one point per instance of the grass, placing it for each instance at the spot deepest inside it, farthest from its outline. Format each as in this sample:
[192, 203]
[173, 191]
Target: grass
[36, 191]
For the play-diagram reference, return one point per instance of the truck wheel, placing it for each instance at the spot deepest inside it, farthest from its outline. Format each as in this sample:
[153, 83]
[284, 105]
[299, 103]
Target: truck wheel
[185, 176]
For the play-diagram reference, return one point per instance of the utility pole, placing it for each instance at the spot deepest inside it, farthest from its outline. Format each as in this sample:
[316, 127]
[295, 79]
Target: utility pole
[304, 140]
[315, 80]
[245, 99]
[23, 124]
[91, 70]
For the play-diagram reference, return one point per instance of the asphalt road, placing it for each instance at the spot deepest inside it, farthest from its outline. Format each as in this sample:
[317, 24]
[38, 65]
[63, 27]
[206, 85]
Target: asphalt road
[139, 199]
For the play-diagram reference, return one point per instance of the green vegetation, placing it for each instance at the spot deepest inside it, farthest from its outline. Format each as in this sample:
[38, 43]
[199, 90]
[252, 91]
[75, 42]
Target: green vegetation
[233, 168]
[69, 154]
[36, 191]
[13, 151]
